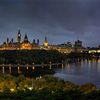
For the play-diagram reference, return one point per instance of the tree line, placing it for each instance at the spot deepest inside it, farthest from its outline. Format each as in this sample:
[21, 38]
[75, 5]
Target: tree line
[39, 56]
[30, 56]
[45, 88]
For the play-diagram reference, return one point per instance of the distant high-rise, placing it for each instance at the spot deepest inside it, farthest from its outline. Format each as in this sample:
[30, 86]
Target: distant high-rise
[46, 43]
[19, 36]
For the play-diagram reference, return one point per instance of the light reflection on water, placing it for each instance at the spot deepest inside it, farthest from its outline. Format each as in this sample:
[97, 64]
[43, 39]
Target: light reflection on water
[81, 72]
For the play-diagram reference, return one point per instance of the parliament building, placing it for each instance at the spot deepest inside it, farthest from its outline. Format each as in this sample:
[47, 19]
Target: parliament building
[26, 45]
[19, 45]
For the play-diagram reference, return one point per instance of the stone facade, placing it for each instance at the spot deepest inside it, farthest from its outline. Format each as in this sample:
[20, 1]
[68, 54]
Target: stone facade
[18, 45]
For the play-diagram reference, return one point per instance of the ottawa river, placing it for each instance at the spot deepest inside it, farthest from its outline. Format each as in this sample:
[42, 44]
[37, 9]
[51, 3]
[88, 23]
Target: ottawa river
[81, 72]
[84, 71]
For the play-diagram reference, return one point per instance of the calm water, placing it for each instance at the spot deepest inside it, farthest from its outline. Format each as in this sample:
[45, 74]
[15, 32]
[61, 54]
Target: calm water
[84, 71]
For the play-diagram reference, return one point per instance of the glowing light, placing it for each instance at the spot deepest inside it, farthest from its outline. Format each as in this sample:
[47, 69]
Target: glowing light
[10, 69]
[53, 92]
[33, 67]
[30, 88]
[50, 67]
[26, 67]
[18, 70]
[98, 51]
[45, 44]
[26, 46]
[33, 63]
[3, 70]
[91, 51]
[62, 66]
[40, 77]
[18, 67]
[12, 90]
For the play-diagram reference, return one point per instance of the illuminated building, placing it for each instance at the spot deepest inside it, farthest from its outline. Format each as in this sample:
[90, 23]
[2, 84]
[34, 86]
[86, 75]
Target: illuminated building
[45, 43]
[68, 48]
[18, 45]
[69, 44]
[26, 45]
[19, 36]
[94, 50]
[78, 43]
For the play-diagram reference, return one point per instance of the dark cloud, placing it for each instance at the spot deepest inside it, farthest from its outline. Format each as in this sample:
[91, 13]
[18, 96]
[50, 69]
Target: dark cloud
[60, 20]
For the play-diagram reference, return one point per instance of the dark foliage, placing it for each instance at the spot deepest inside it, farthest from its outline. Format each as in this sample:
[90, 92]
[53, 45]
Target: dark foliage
[30, 56]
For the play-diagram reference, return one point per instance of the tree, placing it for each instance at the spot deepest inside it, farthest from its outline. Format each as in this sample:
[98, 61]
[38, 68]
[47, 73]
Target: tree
[2, 60]
[69, 86]
[88, 87]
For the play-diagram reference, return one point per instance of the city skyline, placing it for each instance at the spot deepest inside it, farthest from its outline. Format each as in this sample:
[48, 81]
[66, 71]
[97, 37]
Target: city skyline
[21, 39]
[60, 21]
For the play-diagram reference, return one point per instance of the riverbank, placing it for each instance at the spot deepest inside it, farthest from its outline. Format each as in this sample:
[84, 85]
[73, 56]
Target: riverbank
[46, 88]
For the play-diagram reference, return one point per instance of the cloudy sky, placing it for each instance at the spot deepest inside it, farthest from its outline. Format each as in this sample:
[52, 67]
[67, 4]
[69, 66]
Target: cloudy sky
[59, 20]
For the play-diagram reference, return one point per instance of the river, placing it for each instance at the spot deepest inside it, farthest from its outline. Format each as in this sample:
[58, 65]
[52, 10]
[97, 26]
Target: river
[84, 71]
[81, 72]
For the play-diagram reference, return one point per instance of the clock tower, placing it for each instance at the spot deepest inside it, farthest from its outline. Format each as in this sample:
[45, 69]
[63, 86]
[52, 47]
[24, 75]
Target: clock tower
[46, 43]
[19, 36]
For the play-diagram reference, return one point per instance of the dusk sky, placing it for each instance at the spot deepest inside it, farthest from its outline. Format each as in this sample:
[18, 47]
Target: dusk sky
[59, 20]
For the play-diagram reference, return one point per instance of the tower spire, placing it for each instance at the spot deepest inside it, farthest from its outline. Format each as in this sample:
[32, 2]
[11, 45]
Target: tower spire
[18, 30]
[46, 43]
[25, 39]
[46, 39]
[19, 36]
